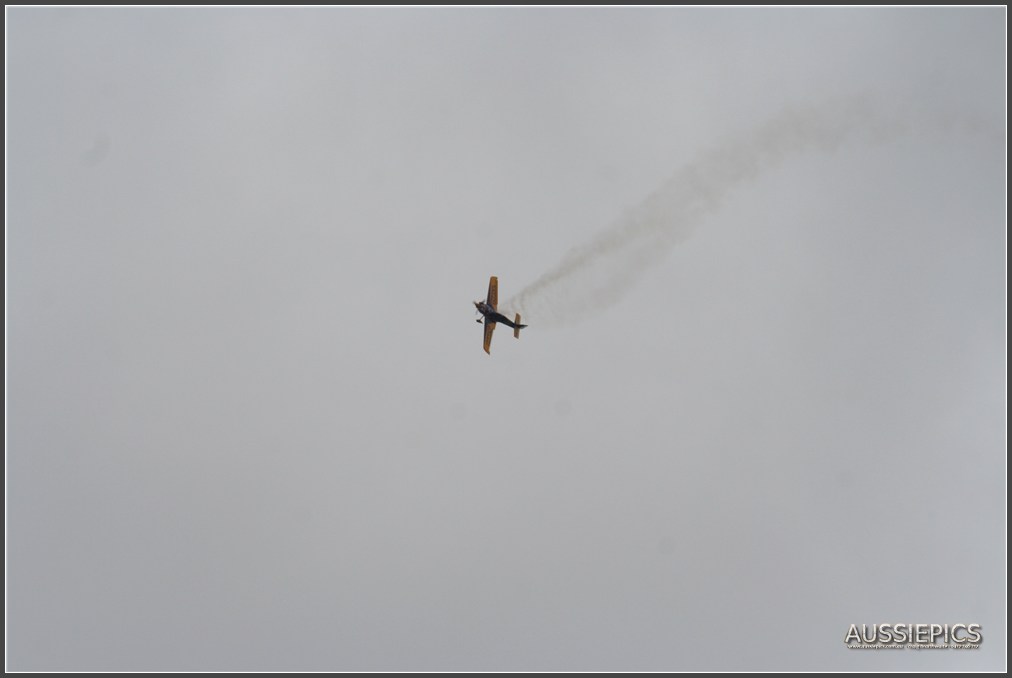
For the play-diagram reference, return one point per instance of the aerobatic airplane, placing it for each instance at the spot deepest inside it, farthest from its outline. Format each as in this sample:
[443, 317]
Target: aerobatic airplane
[491, 316]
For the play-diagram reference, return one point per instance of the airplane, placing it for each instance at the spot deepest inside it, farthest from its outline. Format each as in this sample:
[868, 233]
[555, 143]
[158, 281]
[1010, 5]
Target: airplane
[491, 316]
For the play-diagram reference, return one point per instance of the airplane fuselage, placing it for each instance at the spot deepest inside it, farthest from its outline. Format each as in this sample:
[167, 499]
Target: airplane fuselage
[494, 316]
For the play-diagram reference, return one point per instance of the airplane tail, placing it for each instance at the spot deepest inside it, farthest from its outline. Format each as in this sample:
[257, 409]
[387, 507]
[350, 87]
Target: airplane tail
[517, 327]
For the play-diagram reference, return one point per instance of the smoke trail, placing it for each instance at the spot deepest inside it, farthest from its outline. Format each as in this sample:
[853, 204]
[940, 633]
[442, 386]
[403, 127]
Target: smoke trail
[597, 274]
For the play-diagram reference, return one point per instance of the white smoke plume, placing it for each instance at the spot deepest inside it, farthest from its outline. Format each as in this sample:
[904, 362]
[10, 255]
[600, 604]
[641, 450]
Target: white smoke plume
[598, 274]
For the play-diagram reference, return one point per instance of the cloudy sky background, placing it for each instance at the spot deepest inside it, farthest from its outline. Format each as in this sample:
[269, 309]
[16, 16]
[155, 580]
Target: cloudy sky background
[250, 424]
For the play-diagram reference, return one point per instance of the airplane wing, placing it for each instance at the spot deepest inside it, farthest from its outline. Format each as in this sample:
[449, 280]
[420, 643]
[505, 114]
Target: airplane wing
[493, 292]
[489, 328]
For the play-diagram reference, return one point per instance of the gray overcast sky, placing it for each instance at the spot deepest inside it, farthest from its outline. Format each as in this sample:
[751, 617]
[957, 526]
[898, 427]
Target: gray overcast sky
[249, 421]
